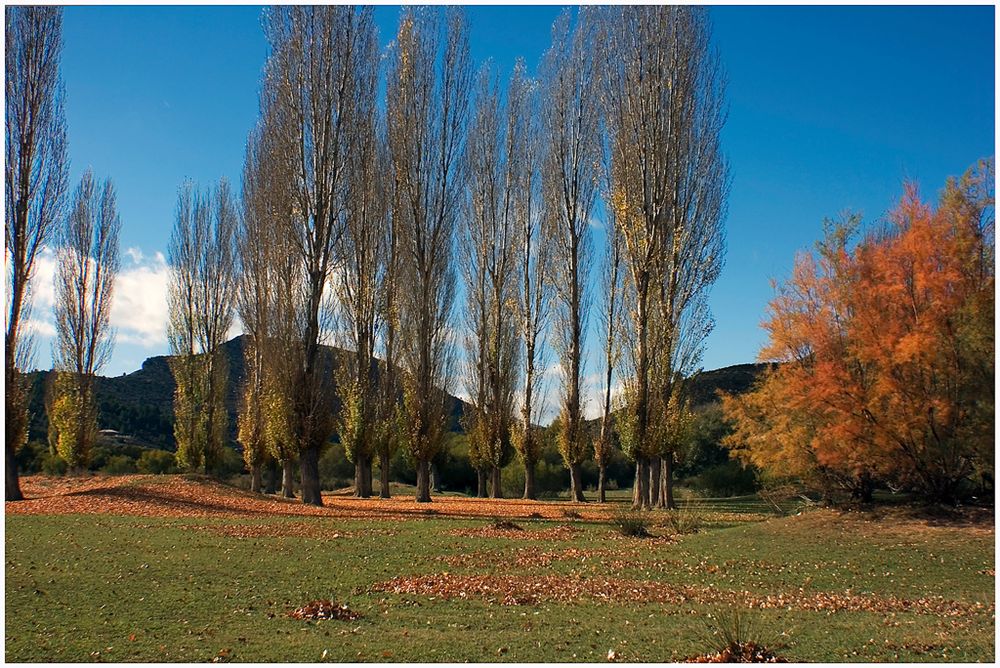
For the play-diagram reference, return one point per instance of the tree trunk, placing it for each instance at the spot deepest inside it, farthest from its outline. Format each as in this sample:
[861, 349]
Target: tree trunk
[363, 477]
[656, 498]
[309, 476]
[423, 481]
[668, 482]
[643, 478]
[271, 475]
[12, 489]
[435, 478]
[481, 487]
[496, 489]
[602, 472]
[637, 484]
[529, 481]
[576, 483]
[256, 479]
[865, 488]
[383, 465]
[288, 479]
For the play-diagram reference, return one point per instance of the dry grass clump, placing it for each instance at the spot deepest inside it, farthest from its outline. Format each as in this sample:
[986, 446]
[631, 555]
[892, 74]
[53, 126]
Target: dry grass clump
[631, 523]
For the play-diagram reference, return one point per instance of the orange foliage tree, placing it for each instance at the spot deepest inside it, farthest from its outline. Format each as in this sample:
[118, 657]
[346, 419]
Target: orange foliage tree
[886, 351]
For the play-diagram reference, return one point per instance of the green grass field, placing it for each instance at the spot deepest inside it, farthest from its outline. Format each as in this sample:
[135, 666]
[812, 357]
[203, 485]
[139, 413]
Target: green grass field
[121, 588]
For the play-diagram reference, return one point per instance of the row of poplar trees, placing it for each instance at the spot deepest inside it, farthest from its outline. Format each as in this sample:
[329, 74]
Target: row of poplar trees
[361, 213]
[85, 228]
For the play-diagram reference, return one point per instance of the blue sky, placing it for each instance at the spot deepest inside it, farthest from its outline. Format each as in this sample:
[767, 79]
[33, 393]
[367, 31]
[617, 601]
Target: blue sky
[831, 108]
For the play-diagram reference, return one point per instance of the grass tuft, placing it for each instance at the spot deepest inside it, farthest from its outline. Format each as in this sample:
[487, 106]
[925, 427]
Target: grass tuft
[683, 521]
[735, 638]
[632, 523]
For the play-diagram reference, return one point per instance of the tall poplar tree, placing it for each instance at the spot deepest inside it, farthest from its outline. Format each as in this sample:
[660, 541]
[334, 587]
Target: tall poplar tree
[664, 109]
[428, 100]
[36, 174]
[201, 296]
[85, 280]
[313, 85]
[571, 121]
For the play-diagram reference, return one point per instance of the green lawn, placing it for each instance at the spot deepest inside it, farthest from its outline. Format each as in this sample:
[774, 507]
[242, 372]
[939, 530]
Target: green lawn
[148, 589]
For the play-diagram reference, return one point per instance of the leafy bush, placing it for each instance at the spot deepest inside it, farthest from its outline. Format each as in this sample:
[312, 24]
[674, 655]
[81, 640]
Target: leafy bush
[335, 470]
[54, 465]
[727, 479]
[120, 465]
[30, 457]
[156, 462]
[633, 523]
[229, 463]
[512, 479]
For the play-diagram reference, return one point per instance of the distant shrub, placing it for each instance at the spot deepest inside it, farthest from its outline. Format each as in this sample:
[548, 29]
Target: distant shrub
[156, 462]
[230, 463]
[335, 470]
[632, 523]
[30, 457]
[54, 465]
[119, 465]
[512, 479]
[727, 479]
[99, 457]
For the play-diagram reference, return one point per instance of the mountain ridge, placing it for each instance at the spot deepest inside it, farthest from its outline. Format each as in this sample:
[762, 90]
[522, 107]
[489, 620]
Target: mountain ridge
[140, 403]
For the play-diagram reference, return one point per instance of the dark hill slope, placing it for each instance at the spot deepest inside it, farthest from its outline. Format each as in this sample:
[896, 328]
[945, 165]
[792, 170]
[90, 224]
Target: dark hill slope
[737, 379]
[140, 403]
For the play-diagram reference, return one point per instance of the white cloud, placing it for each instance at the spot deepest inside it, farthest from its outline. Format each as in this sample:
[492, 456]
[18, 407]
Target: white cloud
[40, 328]
[235, 329]
[135, 254]
[43, 283]
[139, 311]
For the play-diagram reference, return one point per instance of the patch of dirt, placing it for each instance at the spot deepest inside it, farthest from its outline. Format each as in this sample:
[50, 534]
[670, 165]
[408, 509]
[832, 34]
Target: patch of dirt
[531, 590]
[324, 609]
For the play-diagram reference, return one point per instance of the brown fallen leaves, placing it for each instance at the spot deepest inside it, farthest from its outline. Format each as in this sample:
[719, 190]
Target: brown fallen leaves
[531, 590]
[291, 529]
[559, 532]
[743, 652]
[190, 496]
[186, 496]
[907, 524]
[324, 609]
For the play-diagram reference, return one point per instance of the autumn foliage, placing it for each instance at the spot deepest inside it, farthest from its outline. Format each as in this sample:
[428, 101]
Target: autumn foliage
[885, 351]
